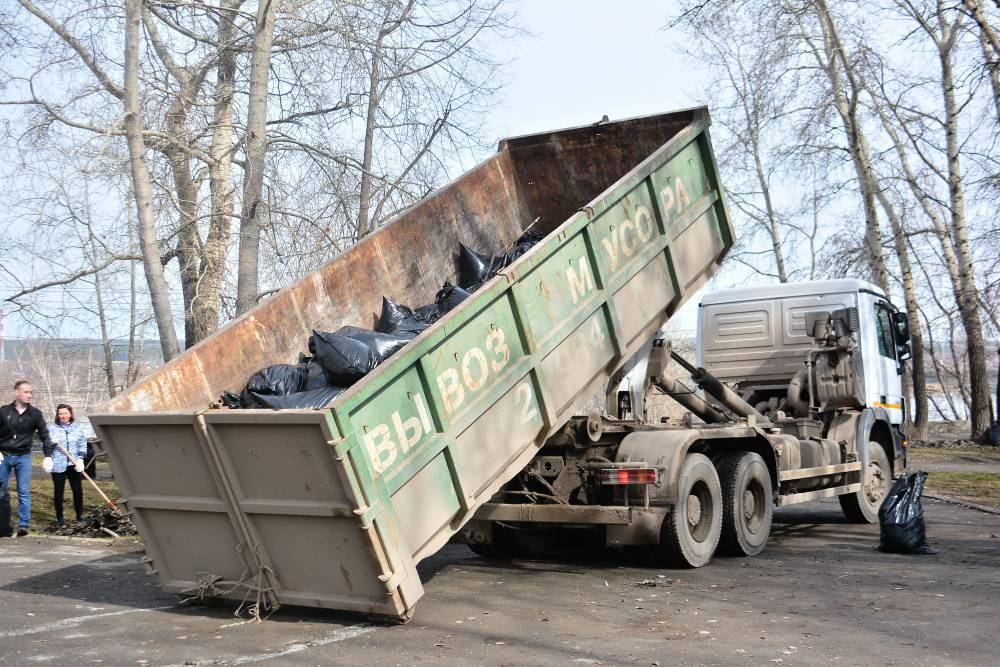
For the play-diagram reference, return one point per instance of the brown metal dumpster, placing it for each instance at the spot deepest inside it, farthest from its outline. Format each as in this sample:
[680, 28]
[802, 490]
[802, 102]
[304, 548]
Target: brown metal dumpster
[334, 507]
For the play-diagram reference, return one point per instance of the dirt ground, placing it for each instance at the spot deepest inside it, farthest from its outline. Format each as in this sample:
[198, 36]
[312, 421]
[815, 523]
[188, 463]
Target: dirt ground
[819, 594]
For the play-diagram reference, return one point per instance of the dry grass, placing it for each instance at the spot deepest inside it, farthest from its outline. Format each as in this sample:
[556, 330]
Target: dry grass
[941, 454]
[977, 487]
[43, 511]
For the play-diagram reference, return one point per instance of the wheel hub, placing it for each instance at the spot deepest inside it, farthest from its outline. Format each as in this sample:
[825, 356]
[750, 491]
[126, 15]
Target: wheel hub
[876, 483]
[693, 510]
[749, 504]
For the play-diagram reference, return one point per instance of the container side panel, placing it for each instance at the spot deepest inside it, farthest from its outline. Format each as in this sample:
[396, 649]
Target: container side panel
[289, 463]
[426, 503]
[197, 547]
[163, 465]
[510, 425]
[625, 231]
[321, 558]
[700, 241]
[474, 361]
[579, 360]
[395, 423]
[644, 298]
[305, 520]
[164, 460]
[557, 295]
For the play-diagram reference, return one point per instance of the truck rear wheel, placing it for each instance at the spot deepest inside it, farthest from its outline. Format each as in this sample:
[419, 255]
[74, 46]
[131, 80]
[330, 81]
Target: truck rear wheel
[862, 507]
[691, 529]
[747, 504]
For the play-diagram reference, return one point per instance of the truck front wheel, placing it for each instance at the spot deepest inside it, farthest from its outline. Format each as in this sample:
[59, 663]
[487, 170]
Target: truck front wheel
[862, 506]
[747, 504]
[691, 529]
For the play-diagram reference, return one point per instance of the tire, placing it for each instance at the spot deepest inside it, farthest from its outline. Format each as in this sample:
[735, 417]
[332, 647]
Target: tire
[862, 506]
[747, 504]
[690, 531]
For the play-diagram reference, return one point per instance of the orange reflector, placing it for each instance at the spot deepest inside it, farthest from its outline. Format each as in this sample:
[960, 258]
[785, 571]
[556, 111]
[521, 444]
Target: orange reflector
[628, 476]
[906, 443]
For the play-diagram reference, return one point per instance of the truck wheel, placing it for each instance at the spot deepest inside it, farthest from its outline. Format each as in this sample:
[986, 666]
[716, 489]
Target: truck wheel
[862, 507]
[691, 529]
[747, 504]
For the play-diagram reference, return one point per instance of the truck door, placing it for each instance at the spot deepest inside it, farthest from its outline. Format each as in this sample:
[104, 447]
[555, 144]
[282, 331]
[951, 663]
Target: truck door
[889, 392]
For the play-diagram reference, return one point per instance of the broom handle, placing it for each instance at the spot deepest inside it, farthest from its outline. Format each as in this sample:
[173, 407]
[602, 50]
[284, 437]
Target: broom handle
[87, 477]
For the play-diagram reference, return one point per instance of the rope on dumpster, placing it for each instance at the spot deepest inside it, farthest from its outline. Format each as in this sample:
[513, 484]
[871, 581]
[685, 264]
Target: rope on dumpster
[213, 585]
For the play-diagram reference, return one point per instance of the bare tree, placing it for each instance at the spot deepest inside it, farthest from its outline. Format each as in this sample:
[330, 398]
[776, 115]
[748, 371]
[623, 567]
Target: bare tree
[247, 290]
[839, 65]
[944, 27]
[745, 94]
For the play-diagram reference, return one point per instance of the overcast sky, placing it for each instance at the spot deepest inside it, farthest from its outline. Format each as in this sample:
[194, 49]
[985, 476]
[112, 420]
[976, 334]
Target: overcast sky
[583, 59]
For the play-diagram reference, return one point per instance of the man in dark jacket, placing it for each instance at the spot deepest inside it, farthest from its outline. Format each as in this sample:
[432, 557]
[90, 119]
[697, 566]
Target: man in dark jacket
[19, 422]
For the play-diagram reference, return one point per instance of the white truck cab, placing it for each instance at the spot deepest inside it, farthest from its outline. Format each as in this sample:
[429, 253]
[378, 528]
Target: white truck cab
[756, 339]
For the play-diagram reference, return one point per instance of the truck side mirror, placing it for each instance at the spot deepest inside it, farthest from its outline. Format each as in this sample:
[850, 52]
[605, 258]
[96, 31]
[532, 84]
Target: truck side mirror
[901, 324]
[901, 321]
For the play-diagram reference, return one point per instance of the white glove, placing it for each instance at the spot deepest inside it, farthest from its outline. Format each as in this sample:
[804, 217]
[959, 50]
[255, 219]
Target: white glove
[79, 464]
[1, 457]
[47, 464]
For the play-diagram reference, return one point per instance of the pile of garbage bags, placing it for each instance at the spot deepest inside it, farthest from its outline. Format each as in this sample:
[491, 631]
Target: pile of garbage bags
[338, 359]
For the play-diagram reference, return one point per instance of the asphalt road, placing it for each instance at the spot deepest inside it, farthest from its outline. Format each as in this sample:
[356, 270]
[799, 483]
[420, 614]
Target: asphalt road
[819, 594]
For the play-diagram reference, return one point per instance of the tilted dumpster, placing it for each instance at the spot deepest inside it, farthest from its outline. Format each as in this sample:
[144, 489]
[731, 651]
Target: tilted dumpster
[335, 507]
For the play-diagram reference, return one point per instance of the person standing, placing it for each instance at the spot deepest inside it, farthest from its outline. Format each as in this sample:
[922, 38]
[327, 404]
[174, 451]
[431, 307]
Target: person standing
[67, 434]
[21, 421]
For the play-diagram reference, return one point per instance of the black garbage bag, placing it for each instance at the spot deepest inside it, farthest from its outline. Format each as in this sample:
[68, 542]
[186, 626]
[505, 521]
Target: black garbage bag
[315, 399]
[526, 242]
[344, 360]
[277, 380]
[231, 400]
[426, 315]
[385, 345]
[315, 375]
[449, 297]
[473, 267]
[901, 517]
[400, 321]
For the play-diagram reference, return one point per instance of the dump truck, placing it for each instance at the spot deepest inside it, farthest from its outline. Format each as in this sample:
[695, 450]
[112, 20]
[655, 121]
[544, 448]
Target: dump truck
[483, 429]
[796, 395]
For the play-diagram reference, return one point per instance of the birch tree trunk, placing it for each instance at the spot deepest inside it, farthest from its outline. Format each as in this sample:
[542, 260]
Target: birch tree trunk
[247, 286]
[980, 408]
[834, 60]
[159, 294]
[221, 189]
[388, 26]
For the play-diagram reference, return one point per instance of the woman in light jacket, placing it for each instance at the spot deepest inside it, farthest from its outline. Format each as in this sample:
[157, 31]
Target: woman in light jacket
[67, 434]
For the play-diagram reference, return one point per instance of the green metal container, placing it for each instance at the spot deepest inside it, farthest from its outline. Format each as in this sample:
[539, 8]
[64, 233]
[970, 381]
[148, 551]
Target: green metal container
[334, 508]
